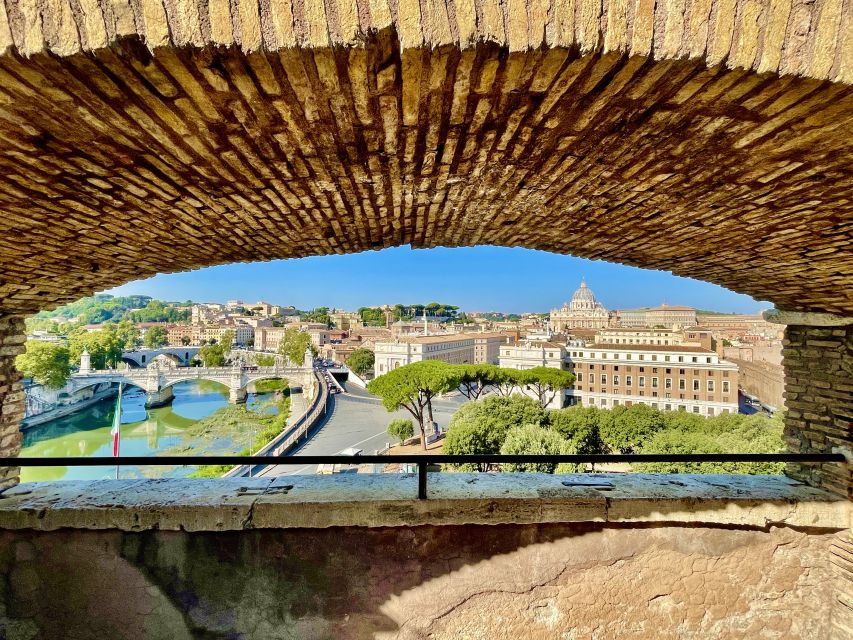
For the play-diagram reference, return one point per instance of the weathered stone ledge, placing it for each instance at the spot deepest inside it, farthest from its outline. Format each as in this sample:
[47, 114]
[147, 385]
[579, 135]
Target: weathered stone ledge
[390, 500]
[806, 318]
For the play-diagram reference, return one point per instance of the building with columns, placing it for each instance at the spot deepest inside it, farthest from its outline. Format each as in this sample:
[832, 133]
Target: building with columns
[583, 311]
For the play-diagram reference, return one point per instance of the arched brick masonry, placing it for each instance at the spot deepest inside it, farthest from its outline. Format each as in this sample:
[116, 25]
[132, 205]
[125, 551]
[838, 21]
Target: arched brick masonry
[709, 138]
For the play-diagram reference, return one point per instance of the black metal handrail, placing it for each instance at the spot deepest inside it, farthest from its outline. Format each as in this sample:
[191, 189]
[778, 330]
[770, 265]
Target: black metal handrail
[422, 460]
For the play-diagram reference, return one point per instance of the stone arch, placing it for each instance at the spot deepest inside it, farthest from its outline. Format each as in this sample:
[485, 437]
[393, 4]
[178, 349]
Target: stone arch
[670, 136]
[82, 383]
[132, 363]
[173, 382]
[166, 357]
[703, 137]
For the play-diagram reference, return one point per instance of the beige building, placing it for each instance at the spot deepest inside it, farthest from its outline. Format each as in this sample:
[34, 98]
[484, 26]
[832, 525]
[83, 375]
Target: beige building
[268, 338]
[663, 337]
[530, 354]
[345, 319]
[487, 346]
[666, 377]
[662, 316]
[455, 348]
[582, 312]
[639, 335]
[669, 378]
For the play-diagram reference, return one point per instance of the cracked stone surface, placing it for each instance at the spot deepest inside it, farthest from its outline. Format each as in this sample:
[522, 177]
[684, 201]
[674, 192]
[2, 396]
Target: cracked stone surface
[543, 581]
[389, 500]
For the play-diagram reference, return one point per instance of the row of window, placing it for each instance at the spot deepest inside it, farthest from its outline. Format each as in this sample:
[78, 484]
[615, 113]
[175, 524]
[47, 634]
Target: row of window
[681, 372]
[641, 380]
[603, 402]
[641, 356]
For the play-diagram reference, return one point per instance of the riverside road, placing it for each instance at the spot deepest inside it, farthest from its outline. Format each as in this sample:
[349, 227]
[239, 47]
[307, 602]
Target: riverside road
[356, 419]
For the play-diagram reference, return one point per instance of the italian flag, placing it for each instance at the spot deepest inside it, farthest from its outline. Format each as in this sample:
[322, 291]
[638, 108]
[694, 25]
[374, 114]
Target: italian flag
[117, 422]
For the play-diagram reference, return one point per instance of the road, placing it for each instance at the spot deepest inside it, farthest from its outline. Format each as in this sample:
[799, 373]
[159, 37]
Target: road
[356, 419]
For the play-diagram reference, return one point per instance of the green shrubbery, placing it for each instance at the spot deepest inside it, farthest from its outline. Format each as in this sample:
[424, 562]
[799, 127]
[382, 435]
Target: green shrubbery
[518, 424]
[401, 428]
[239, 418]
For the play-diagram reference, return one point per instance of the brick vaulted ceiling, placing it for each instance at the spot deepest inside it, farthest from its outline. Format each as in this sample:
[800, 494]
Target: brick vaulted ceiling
[710, 138]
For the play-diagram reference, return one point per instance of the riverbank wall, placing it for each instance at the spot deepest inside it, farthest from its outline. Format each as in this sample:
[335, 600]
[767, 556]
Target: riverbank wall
[67, 409]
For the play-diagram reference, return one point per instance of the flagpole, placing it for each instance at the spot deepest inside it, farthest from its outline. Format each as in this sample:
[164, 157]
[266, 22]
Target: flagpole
[116, 425]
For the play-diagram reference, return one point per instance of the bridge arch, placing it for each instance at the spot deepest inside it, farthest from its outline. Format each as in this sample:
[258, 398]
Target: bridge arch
[82, 383]
[172, 382]
[702, 137]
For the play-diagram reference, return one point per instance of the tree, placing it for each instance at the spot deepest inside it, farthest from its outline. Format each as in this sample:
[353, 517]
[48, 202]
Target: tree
[547, 382]
[579, 426]
[481, 427]
[402, 429]
[104, 346]
[361, 361]
[185, 340]
[476, 378]
[508, 380]
[47, 363]
[533, 439]
[372, 317]
[265, 361]
[625, 429]
[413, 386]
[320, 314]
[293, 344]
[155, 337]
[212, 355]
[226, 340]
[128, 334]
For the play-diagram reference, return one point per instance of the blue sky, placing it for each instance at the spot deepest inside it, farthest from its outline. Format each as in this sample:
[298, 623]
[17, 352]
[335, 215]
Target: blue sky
[475, 278]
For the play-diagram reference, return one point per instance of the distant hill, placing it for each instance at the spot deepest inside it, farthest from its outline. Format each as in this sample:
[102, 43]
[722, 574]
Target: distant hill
[106, 308]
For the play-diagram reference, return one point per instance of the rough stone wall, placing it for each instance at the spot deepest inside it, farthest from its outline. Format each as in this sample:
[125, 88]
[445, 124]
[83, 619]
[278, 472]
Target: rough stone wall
[124, 163]
[819, 399]
[841, 557]
[444, 583]
[11, 395]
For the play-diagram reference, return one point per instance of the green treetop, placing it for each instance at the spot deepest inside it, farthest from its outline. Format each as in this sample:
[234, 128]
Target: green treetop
[105, 346]
[128, 334]
[412, 387]
[547, 382]
[361, 361]
[402, 429]
[45, 362]
[226, 340]
[212, 355]
[535, 440]
[155, 337]
[293, 344]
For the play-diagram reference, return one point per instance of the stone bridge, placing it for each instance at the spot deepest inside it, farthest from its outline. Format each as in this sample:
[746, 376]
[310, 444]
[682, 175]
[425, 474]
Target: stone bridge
[181, 356]
[157, 381]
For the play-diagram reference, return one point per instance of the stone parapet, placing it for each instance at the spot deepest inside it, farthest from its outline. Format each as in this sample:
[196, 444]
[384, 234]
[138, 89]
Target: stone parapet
[12, 398]
[818, 364]
[389, 500]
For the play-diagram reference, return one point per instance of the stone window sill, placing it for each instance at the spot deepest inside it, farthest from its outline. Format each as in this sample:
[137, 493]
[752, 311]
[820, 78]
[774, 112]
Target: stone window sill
[388, 500]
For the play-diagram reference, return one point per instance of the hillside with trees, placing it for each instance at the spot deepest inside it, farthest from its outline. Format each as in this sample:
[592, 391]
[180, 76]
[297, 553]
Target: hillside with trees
[104, 308]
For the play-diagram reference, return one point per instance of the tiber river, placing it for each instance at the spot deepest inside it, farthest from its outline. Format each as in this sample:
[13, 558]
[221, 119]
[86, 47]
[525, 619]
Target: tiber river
[143, 431]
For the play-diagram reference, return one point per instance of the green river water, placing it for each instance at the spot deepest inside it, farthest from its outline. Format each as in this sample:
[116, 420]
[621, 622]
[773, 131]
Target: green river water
[144, 432]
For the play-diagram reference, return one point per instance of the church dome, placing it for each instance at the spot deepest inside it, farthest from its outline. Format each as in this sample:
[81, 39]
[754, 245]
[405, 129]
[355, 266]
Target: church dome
[584, 295]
